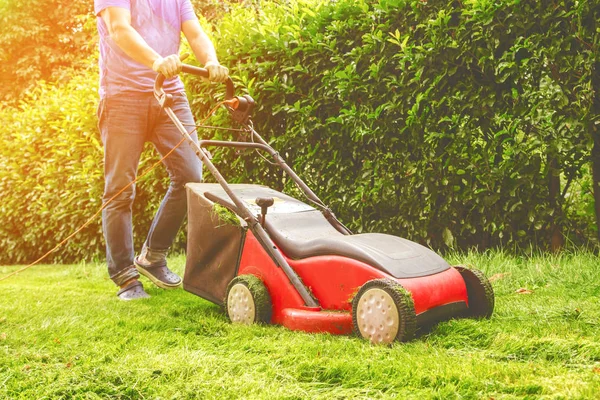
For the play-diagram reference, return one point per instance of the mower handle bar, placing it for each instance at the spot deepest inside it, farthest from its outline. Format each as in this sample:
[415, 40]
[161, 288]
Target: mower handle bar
[165, 99]
[190, 69]
[238, 145]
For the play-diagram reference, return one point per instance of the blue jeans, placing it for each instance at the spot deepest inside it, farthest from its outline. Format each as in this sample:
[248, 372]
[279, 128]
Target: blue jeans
[126, 122]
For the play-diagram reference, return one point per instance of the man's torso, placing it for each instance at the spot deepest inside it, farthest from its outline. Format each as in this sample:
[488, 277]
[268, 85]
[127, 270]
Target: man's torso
[159, 23]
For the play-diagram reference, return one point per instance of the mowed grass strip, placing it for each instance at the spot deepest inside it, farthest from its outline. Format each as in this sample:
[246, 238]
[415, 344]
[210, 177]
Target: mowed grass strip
[64, 334]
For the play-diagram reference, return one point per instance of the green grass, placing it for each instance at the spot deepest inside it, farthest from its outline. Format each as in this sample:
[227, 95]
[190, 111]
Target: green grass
[64, 334]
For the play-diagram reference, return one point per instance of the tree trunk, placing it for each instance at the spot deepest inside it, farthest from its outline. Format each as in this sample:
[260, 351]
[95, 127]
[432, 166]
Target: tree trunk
[557, 240]
[596, 175]
[595, 131]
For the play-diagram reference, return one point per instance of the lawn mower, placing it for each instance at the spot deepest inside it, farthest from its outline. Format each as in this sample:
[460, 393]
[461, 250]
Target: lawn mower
[267, 257]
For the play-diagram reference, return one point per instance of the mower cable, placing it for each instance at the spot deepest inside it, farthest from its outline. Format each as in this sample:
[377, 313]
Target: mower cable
[319, 204]
[91, 219]
[325, 209]
[251, 131]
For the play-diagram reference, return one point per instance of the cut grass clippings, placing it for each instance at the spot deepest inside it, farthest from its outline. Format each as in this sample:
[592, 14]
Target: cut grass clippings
[64, 334]
[225, 215]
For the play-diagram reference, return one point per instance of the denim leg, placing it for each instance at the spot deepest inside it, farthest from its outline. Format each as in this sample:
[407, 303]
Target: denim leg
[182, 165]
[123, 122]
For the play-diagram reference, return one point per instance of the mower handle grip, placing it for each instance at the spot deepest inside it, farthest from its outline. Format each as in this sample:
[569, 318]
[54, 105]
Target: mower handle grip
[190, 69]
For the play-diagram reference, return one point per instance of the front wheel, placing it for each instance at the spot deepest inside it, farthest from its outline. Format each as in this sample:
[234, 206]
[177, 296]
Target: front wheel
[383, 311]
[248, 301]
[479, 293]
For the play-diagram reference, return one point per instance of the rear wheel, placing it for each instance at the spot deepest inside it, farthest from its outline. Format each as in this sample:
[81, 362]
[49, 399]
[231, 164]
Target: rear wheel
[479, 292]
[248, 301]
[383, 311]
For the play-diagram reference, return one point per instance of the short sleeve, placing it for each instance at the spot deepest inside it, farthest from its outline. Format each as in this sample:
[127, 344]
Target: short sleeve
[100, 5]
[187, 11]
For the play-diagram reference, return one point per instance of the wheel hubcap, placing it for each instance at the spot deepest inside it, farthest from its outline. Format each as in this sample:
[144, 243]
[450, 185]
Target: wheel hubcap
[377, 316]
[240, 305]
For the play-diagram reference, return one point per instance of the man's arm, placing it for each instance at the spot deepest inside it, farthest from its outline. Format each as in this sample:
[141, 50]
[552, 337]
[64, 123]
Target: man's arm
[118, 23]
[204, 50]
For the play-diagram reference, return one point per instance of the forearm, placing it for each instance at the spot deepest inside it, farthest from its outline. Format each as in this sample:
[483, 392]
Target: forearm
[132, 43]
[203, 48]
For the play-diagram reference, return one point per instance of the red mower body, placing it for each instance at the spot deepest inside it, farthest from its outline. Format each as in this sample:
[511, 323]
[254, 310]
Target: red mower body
[332, 279]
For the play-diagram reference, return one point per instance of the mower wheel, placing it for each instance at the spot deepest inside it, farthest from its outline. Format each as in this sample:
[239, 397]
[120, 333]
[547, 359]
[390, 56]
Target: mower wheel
[383, 311]
[248, 301]
[479, 293]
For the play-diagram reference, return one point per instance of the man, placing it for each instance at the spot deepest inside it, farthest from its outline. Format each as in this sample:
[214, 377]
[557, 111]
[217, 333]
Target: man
[138, 39]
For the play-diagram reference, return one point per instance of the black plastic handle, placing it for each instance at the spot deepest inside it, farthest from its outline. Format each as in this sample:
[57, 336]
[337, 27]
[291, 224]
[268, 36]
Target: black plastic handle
[264, 202]
[190, 69]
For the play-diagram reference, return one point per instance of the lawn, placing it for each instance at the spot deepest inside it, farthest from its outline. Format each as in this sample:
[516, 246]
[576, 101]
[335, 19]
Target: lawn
[64, 334]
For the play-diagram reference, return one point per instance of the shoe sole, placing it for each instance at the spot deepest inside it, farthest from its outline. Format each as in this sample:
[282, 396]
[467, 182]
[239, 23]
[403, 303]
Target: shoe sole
[156, 281]
[137, 288]
[133, 298]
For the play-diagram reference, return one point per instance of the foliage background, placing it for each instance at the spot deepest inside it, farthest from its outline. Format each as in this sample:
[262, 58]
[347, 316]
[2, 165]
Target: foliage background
[455, 124]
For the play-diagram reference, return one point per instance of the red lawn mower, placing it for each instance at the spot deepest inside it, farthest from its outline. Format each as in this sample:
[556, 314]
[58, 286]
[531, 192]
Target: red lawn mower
[270, 258]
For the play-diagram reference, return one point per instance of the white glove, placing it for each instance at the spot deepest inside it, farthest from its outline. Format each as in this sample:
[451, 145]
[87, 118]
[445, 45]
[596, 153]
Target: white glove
[168, 66]
[216, 72]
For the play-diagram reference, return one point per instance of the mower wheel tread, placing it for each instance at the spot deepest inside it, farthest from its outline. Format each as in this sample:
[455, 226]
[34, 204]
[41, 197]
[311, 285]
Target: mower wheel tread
[479, 292]
[260, 295]
[404, 304]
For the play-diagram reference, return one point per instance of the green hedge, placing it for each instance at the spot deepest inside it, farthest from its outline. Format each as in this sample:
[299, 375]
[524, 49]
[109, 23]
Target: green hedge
[42, 39]
[51, 176]
[443, 122]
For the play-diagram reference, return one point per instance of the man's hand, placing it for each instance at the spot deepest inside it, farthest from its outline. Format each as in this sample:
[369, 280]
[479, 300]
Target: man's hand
[168, 66]
[216, 72]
